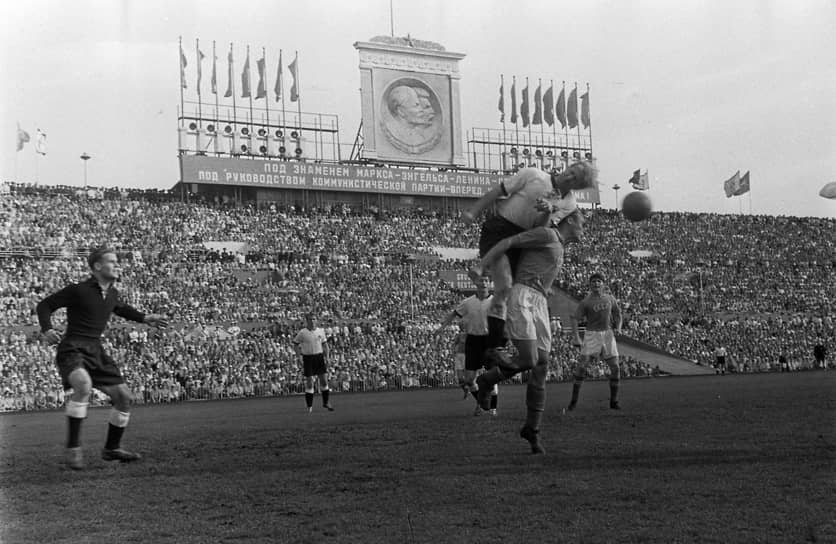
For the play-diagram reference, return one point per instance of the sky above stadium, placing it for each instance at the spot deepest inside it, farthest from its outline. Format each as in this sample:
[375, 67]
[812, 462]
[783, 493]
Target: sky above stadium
[690, 91]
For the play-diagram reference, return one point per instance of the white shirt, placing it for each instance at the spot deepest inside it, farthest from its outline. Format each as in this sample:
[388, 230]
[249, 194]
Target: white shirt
[310, 342]
[474, 315]
[523, 190]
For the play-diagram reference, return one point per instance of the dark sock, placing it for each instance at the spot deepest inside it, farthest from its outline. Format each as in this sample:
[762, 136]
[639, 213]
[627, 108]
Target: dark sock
[494, 401]
[614, 391]
[576, 389]
[325, 395]
[73, 431]
[496, 332]
[475, 393]
[309, 399]
[114, 436]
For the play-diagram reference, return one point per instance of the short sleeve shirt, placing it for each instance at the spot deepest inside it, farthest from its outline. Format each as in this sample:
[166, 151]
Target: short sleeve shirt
[310, 341]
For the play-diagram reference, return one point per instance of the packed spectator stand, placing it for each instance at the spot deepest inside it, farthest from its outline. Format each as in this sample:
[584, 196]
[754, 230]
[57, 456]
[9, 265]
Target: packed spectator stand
[760, 286]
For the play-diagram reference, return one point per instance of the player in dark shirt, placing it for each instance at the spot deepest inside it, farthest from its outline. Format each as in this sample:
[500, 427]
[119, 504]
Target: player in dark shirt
[82, 362]
[820, 354]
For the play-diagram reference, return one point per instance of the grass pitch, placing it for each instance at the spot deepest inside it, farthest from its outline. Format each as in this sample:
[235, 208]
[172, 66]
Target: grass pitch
[701, 459]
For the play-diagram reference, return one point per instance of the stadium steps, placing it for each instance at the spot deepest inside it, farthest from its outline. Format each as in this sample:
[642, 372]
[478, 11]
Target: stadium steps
[563, 304]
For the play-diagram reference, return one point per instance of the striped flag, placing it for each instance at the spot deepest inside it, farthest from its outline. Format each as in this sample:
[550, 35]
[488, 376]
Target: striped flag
[229, 72]
[514, 101]
[524, 106]
[200, 57]
[183, 64]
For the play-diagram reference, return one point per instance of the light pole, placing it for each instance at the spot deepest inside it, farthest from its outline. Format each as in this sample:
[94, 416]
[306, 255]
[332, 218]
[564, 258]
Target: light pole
[615, 188]
[85, 157]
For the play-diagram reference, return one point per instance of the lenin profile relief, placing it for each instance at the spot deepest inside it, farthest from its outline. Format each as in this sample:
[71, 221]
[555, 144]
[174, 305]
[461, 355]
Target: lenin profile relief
[411, 116]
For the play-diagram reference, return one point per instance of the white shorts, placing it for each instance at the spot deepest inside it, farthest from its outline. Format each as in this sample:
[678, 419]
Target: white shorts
[458, 362]
[528, 317]
[601, 343]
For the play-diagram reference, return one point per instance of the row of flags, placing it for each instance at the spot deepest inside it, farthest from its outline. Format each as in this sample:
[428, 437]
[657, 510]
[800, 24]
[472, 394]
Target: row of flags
[736, 185]
[23, 138]
[640, 181]
[564, 110]
[246, 81]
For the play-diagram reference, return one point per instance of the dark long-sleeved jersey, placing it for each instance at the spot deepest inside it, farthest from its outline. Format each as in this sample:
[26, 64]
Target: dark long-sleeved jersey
[88, 308]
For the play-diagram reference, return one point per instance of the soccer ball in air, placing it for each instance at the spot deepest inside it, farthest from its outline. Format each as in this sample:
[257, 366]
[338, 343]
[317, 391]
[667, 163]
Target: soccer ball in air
[636, 206]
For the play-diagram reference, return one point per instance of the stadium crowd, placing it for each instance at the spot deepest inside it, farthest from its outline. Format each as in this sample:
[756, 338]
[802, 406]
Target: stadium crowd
[759, 286]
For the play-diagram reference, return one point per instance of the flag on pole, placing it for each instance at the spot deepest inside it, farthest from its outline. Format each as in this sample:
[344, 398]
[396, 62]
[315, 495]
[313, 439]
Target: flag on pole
[744, 185]
[183, 64]
[585, 109]
[245, 77]
[514, 101]
[200, 57]
[572, 109]
[732, 185]
[40, 142]
[548, 106]
[294, 90]
[261, 90]
[229, 75]
[524, 106]
[644, 182]
[501, 105]
[22, 137]
[278, 88]
[636, 179]
[560, 108]
[214, 82]
[538, 107]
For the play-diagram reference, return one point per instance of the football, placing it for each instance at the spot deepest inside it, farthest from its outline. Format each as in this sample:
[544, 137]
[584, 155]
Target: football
[636, 206]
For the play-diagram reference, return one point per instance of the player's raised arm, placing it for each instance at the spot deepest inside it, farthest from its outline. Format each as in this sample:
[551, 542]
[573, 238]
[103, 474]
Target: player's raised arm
[534, 238]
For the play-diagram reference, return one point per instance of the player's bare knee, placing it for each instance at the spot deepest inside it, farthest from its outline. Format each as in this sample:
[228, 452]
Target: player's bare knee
[81, 383]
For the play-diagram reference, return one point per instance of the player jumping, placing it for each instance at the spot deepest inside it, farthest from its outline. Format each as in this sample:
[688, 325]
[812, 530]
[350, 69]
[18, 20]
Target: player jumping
[528, 199]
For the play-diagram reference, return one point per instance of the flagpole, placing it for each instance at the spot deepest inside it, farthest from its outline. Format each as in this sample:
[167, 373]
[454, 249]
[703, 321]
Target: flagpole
[554, 123]
[578, 113]
[281, 92]
[516, 120]
[232, 86]
[566, 127]
[502, 162]
[250, 89]
[589, 115]
[182, 78]
[200, 70]
[531, 151]
[298, 95]
[217, 107]
[542, 121]
[266, 94]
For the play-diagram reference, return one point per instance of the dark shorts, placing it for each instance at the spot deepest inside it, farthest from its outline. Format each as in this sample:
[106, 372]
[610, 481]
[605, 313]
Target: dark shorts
[474, 351]
[313, 365]
[88, 354]
[494, 229]
[721, 361]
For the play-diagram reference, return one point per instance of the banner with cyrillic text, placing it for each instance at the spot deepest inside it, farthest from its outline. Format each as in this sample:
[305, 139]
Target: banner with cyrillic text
[342, 177]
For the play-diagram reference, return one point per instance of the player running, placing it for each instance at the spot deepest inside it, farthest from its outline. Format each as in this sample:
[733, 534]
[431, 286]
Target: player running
[600, 311]
[81, 361]
[527, 324]
[528, 199]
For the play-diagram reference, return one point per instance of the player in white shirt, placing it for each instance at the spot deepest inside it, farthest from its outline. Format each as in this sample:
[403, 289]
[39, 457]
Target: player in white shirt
[311, 344]
[473, 313]
[531, 198]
